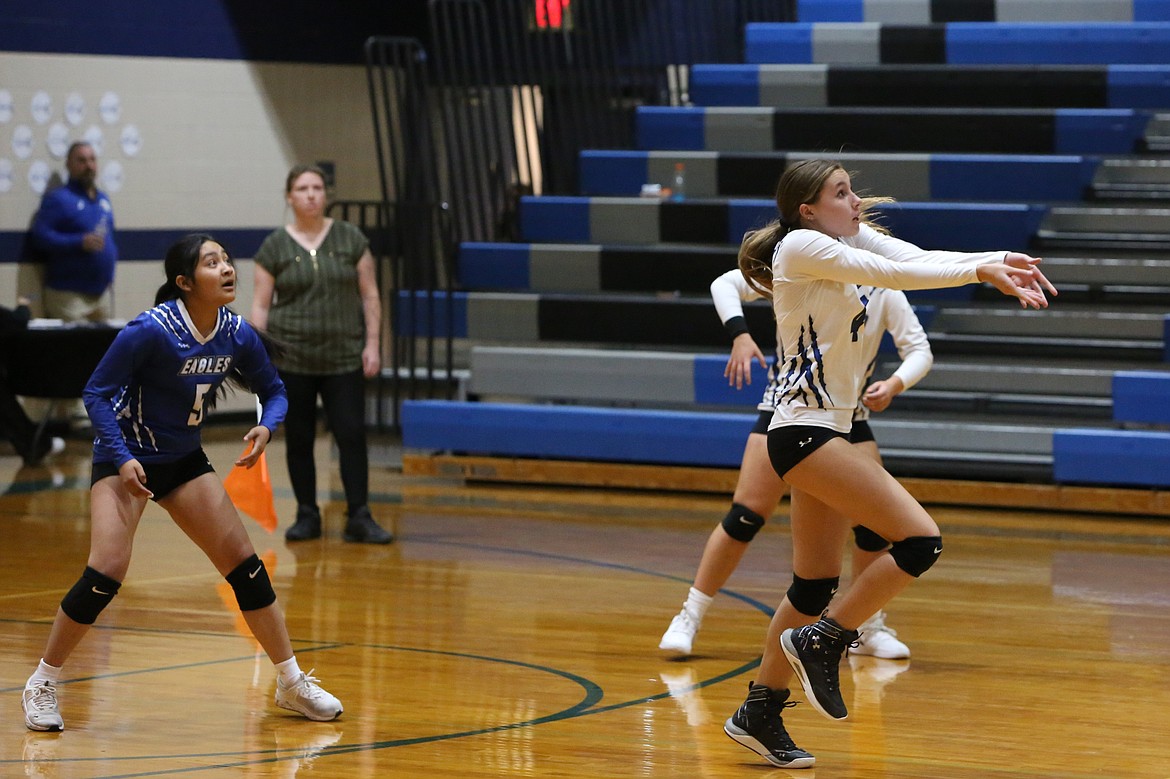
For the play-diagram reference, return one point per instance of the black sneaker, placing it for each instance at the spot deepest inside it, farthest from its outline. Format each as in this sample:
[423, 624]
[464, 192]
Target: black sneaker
[757, 725]
[362, 529]
[814, 652]
[307, 525]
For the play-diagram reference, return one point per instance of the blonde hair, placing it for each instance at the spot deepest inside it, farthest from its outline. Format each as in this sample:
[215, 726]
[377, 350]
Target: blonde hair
[800, 184]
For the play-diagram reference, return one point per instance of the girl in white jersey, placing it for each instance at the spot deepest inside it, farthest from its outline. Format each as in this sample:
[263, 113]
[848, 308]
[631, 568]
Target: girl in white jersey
[147, 399]
[758, 489]
[813, 261]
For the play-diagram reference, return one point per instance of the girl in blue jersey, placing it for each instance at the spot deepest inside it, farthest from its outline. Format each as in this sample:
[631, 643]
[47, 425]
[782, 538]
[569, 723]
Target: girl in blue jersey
[147, 399]
[814, 262]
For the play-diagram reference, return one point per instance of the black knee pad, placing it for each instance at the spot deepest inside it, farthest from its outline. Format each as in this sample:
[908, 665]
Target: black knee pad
[916, 554]
[92, 593]
[251, 584]
[741, 523]
[867, 540]
[811, 596]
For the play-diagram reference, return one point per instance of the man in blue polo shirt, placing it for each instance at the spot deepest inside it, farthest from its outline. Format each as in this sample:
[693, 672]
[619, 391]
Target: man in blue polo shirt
[74, 231]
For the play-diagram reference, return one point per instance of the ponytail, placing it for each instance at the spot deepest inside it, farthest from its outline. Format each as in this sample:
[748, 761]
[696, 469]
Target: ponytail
[234, 379]
[168, 291]
[755, 256]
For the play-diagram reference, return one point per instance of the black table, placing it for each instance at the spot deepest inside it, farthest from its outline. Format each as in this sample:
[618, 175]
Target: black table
[54, 362]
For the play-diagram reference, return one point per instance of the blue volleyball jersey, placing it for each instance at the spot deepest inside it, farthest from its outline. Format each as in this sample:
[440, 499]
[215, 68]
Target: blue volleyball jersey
[148, 396]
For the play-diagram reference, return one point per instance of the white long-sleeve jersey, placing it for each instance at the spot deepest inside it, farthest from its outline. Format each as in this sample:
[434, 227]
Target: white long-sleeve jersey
[822, 313]
[887, 311]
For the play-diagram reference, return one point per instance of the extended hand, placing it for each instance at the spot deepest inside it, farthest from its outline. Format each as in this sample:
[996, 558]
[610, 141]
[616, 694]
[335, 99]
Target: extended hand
[1027, 262]
[1020, 283]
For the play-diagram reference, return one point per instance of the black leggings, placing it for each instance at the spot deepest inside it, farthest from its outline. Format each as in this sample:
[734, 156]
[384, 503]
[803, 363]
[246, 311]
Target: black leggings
[344, 397]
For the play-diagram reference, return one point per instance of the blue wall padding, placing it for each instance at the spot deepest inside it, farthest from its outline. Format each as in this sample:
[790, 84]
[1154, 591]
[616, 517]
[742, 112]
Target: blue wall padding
[414, 313]
[1098, 131]
[494, 265]
[577, 432]
[832, 10]
[1057, 43]
[617, 172]
[1138, 86]
[723, 85]
[1010, 177]
[712, 389]
[780, 43]
[965, 227]
[1141, 396]
[1151, 10]
[1129, 457]
[554, 218]
[666, 127]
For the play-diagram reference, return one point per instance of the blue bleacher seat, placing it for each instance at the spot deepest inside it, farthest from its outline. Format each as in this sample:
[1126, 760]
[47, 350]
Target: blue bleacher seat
[1112, 457]
[1141, 396]
[576, 432]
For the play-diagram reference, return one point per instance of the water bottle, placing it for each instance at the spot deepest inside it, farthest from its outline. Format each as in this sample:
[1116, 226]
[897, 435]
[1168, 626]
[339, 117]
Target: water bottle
[678, 190]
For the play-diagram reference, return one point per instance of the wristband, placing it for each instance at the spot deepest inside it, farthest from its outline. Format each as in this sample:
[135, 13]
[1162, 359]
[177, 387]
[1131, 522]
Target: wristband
[736, 326]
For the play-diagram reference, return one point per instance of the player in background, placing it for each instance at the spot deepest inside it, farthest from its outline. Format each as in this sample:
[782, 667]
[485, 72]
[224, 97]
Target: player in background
[758, 489]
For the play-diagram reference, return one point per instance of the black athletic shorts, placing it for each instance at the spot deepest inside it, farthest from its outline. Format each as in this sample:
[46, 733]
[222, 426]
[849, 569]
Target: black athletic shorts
[861, 432]
[790, 444]
[161, 478]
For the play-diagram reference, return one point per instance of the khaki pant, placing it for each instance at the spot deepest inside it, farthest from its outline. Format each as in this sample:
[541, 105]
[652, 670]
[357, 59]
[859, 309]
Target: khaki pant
[72, 306]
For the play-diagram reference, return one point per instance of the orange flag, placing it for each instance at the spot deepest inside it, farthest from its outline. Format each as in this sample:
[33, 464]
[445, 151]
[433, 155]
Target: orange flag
[251, 490]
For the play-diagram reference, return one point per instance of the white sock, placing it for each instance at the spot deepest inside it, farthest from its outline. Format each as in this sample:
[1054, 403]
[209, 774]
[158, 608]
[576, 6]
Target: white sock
[44, 673]
[697, 604]
[289, 670]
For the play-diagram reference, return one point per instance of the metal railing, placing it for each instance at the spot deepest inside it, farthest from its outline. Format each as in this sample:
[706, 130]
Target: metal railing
[498, 105]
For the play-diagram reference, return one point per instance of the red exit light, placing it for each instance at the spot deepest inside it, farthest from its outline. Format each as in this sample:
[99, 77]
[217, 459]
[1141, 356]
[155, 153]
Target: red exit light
[552, 14]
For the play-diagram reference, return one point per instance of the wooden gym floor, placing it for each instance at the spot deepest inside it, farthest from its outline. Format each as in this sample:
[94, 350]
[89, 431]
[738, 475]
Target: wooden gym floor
[512, 631]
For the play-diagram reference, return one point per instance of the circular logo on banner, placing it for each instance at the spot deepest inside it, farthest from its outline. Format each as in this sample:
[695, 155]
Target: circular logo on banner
[5, 175]
[74, 109]
[38, 176]
[42, 107]
[6, 107]
[58, 140]
[112, 178]
[22, 141]
[110, 107]
[95, 137]
[131, 141]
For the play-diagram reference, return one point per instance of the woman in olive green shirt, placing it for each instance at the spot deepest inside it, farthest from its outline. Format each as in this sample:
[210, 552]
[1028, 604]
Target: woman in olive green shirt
[316, 291]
